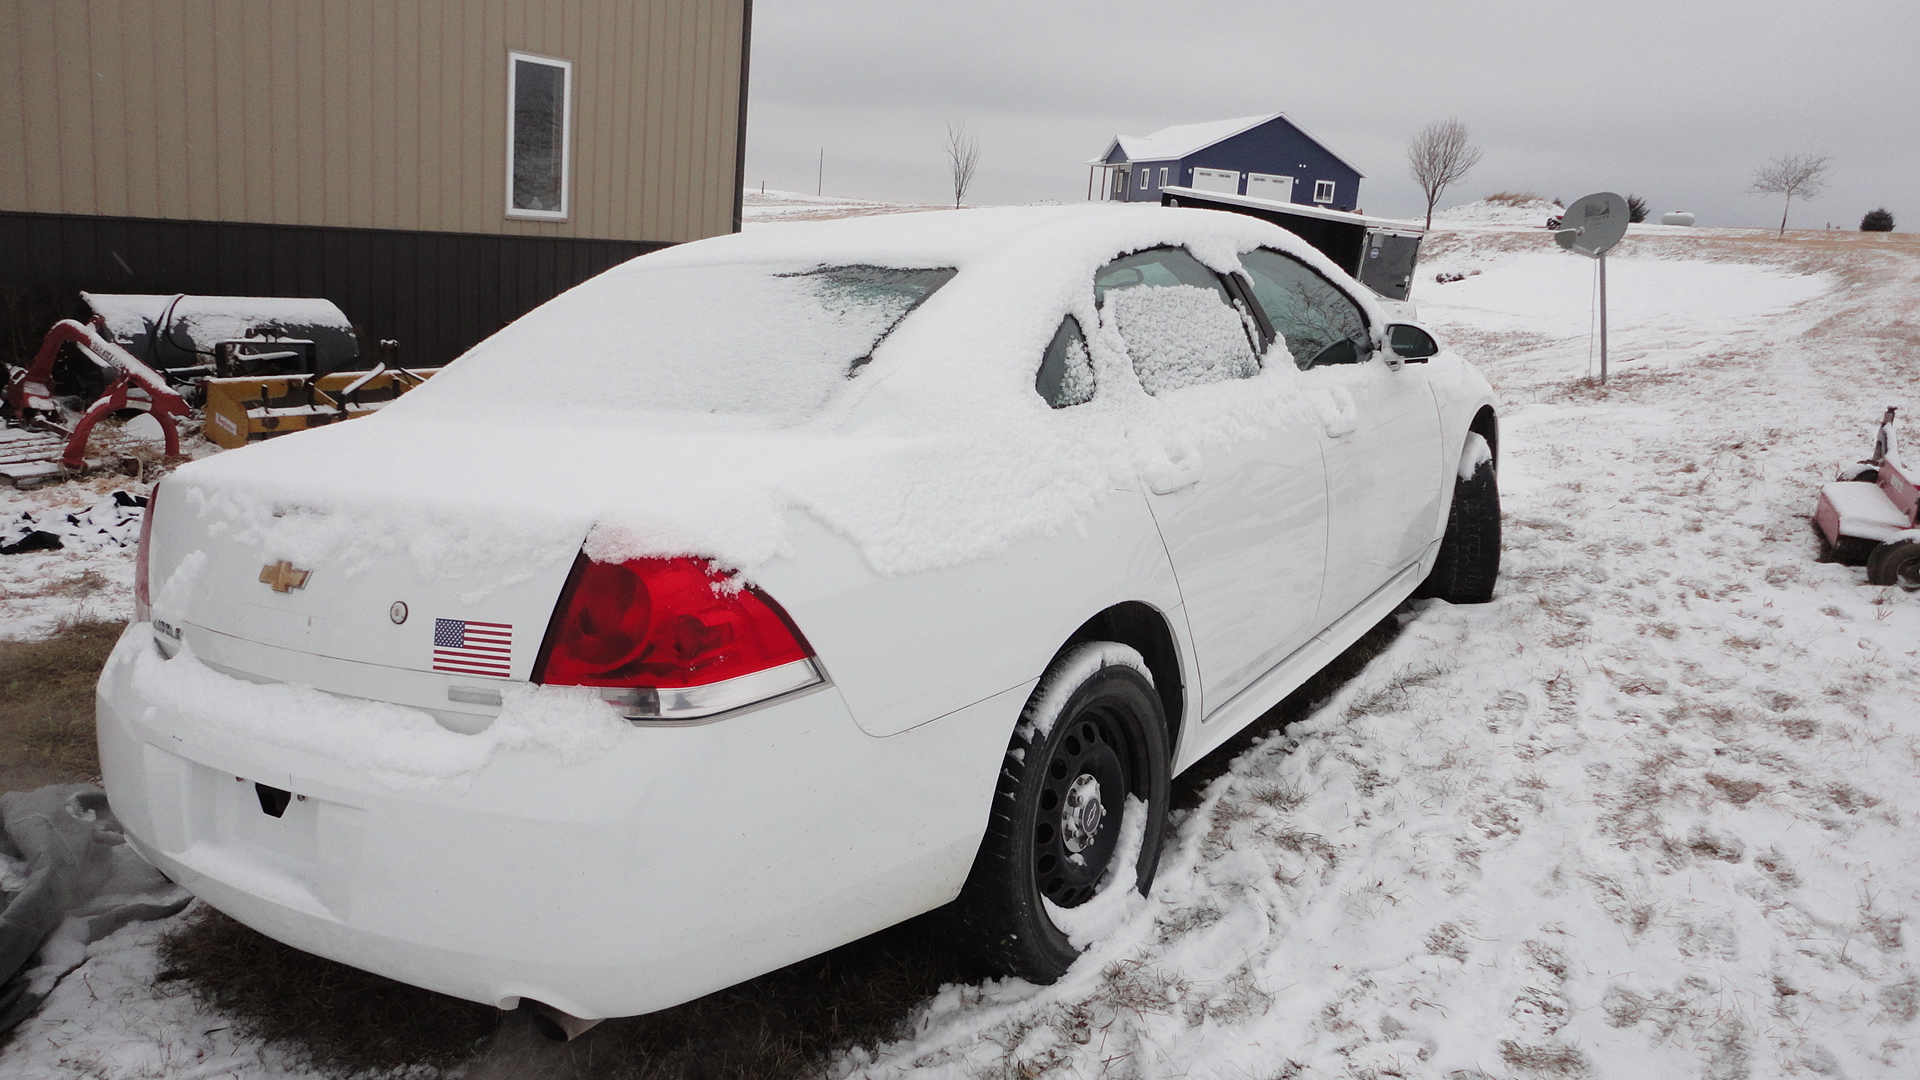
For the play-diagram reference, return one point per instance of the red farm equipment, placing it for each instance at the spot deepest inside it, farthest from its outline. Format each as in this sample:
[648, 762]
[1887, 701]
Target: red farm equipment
[43, 448]
[1871, 514]
[258, 366]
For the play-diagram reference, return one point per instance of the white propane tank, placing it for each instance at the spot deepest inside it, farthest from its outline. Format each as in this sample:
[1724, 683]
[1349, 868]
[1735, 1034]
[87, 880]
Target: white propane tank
[1676, 217]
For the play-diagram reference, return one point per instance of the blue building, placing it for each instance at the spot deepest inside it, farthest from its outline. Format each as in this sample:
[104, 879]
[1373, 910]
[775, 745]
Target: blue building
[1266, 157]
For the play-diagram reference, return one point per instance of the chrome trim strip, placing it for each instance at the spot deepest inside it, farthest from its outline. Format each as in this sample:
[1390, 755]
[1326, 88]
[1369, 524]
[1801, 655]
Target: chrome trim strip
[699, 704]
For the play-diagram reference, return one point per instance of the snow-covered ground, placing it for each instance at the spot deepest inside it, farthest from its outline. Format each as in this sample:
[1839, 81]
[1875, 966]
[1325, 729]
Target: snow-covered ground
[772, 207]
[90, 578]
[1642, 816]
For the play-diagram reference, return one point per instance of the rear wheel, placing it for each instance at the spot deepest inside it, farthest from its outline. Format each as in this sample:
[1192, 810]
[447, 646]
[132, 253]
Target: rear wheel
[1085, 774]
[1895, 563]
[1469, 559]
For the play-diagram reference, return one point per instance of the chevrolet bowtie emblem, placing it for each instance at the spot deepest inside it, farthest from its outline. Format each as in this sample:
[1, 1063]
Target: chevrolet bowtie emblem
[283, 576]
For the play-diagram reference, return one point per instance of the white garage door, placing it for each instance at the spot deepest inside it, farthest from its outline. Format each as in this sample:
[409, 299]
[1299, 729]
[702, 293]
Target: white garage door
[1264, 186]
[1217, 180]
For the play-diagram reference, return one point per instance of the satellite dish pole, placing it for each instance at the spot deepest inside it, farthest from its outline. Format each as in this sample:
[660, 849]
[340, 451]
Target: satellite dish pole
[1603, 317]
[1590, 227]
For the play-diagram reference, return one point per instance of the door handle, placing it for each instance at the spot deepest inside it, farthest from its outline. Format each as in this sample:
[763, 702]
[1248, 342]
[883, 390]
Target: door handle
[1338, 413]
[1184, 474]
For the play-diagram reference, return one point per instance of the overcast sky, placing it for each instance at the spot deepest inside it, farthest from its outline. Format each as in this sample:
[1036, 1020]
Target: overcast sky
[1676, 101]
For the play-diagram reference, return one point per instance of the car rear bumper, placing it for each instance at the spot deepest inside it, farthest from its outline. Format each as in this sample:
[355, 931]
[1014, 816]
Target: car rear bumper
[680, 862]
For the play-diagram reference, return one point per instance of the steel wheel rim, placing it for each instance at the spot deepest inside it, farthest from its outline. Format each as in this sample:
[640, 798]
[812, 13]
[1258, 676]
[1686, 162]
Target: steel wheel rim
[1073, 847]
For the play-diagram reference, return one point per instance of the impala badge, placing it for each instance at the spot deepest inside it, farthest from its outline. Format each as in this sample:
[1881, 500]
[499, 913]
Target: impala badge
[283, 576]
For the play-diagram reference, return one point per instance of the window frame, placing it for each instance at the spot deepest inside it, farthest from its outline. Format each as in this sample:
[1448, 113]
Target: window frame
[1235, 293]
[1265, 317]
[1324, 191]
[1099, 298]
[1093, 381]
[514, 59]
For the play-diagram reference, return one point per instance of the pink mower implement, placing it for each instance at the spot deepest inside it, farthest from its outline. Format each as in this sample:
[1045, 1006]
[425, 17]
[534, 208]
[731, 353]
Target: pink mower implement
[1871, 514]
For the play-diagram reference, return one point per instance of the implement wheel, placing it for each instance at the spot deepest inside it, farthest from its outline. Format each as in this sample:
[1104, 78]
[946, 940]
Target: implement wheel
[1896, 562]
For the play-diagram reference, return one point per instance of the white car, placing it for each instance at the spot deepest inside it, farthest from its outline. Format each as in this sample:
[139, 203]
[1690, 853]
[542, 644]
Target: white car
[769, 590]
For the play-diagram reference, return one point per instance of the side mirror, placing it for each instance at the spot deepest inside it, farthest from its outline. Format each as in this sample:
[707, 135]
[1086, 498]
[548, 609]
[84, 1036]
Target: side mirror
[1411, 344]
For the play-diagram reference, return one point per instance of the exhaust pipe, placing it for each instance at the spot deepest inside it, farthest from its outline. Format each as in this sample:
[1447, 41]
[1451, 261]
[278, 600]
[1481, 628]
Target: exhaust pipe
[554, 1024]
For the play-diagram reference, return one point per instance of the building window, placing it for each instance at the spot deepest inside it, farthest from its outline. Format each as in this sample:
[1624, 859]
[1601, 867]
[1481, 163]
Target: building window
[538, 135]
[1163, 177]
[1323, 191]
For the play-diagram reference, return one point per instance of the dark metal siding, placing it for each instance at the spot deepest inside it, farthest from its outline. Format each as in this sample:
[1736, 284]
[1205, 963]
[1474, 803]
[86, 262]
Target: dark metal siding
[1145, 184]
[1280, 149]
[436, 293]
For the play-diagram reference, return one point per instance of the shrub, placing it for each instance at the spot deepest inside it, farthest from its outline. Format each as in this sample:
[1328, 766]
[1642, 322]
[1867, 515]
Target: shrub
[1880, 220]
[1636, 209]
[1513, 198]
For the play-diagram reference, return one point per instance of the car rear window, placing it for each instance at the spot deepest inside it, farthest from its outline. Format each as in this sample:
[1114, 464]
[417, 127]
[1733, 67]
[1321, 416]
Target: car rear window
[738, 340]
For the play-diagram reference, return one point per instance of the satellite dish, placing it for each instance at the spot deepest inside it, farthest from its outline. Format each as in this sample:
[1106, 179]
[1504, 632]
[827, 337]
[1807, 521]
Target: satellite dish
[1593, 224]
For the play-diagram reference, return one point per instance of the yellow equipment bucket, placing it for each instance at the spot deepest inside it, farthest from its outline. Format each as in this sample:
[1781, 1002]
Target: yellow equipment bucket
[243, 410]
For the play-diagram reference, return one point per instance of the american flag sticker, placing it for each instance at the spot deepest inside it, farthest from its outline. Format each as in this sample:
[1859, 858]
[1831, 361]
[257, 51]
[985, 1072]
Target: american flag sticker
[465, 647]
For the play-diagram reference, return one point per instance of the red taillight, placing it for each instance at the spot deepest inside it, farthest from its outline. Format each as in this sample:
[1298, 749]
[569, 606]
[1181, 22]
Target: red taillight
[142, 593]
[670, 629]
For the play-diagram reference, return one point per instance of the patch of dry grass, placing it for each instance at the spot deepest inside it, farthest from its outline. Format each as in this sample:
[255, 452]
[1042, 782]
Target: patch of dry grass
[350, 1023]
[331, 1017]
[46, 706]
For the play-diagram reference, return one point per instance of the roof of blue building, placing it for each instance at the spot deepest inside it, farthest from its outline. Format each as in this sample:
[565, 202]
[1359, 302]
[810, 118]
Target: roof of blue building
[1181, 140]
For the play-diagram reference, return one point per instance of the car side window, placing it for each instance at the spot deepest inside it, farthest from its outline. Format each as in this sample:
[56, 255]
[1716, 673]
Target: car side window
[1178, 320]
[1161, 267]
[1066, 368]
[1320, 324]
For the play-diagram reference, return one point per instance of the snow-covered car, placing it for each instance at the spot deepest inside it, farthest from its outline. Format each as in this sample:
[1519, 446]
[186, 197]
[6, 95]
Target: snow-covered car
[769, 590]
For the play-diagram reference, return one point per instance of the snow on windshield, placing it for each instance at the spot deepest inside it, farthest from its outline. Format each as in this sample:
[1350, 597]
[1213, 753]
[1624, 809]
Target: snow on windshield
[751, 340]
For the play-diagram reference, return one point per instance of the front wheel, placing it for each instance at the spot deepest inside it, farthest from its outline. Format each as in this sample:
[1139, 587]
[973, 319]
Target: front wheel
[1469, 561]
[1089, 754]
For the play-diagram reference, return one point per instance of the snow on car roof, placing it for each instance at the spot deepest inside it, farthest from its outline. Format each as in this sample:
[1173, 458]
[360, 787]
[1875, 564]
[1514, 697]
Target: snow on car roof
[937, 452]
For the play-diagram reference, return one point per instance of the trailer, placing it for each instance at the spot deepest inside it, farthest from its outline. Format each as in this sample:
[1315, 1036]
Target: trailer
[1380, 253]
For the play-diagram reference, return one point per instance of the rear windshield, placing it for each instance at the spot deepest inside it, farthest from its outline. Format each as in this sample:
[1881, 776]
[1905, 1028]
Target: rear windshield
[741, 340]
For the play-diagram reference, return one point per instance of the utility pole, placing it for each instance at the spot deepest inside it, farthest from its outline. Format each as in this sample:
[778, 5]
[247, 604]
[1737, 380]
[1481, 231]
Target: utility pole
[820, 179]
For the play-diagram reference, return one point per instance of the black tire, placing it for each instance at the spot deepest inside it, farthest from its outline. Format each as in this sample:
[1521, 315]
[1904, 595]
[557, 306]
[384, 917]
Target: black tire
[1469, 560]
[1896, 562]
[1108, 726]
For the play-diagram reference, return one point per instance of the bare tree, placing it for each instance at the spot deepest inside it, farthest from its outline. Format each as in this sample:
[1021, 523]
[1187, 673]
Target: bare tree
[1440, 157]
[1804, 175]
[963, 153]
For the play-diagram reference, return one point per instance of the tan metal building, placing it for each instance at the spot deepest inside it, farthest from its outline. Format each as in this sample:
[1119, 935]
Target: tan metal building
[435, 167]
